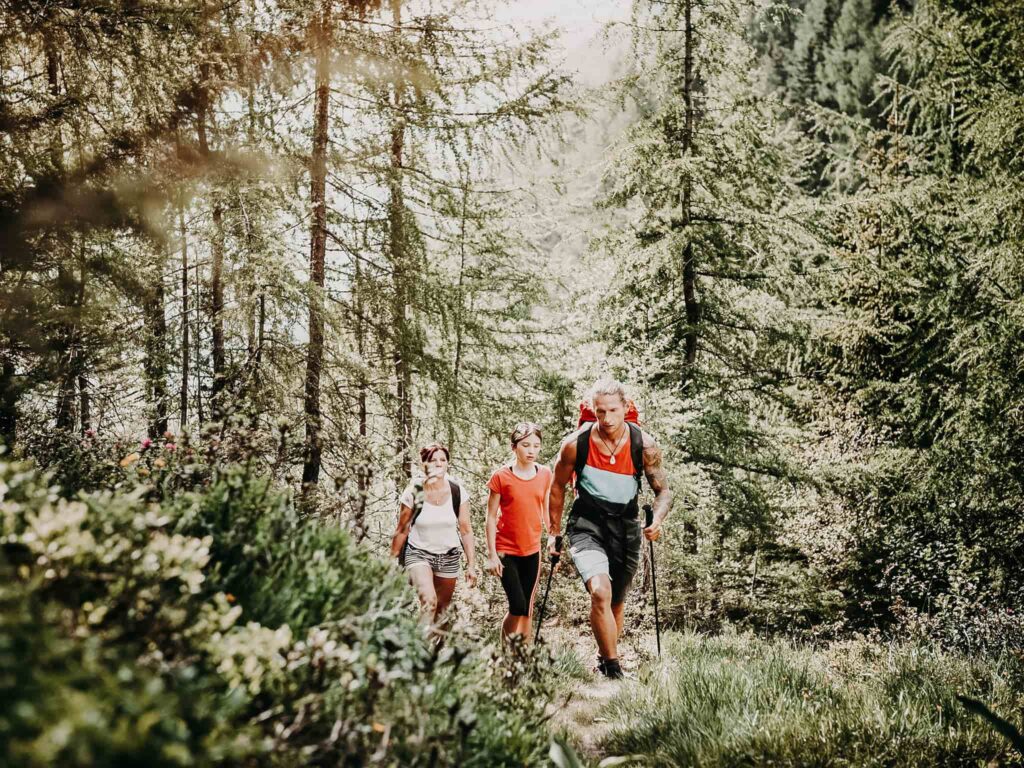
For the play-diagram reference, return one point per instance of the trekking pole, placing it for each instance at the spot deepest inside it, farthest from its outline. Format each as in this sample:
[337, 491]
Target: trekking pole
[649, 515]
[547, 591]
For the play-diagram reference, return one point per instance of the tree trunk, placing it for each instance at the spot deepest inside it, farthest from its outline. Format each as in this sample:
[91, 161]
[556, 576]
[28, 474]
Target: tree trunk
[261, 328]
[254, 296]
[65, 289]
[217, 255]
[717, 578]
[84, 398]
[691, 304]
[217, 405]
[363, 468]
[198, 345]
[453, 405]
[183, 395]
[318, 248]
[752, 592]
[8, 402]
[397, 242]
[156, 356]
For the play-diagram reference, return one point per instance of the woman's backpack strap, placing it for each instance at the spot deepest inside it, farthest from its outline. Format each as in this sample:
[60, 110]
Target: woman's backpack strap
[417, 502]
[456, 496]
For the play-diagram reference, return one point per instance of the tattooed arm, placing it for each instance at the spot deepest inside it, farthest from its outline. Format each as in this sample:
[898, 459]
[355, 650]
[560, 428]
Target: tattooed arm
[658, 481]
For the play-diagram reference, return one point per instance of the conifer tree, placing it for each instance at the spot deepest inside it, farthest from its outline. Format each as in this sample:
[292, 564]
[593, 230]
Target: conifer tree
[707, 266]
[916, 356]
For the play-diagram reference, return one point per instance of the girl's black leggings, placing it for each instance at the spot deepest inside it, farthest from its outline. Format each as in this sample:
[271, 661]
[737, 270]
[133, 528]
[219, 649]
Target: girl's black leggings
[519, 578]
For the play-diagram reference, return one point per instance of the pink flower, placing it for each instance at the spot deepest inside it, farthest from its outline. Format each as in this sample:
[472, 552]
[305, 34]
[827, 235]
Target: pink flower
[90, 433]
[146, 443]
[169, 446]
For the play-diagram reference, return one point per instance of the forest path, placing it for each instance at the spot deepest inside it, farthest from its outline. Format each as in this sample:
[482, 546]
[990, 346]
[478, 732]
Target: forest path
[580, 712]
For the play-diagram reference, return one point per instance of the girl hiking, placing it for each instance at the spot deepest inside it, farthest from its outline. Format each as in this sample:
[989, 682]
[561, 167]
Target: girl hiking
[433, 526]
[516, 514]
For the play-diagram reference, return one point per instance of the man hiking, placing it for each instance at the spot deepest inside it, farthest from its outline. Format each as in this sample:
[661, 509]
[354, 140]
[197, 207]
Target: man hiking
[608, 457]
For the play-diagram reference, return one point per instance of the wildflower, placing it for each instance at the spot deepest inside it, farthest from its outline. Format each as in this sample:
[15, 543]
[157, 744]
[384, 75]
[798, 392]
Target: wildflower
[145, 443]
[168, 435]
[169, 446]
[159, 463]
[131, 458]
[90, 433]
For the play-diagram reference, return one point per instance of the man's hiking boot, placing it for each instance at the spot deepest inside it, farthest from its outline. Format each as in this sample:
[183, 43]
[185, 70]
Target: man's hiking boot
[609, 668]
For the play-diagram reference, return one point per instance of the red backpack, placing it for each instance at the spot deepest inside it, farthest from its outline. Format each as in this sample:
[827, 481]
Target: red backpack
[587, 413]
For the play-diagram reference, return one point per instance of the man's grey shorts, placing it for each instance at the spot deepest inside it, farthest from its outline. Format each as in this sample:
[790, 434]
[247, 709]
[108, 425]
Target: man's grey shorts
[606, 545]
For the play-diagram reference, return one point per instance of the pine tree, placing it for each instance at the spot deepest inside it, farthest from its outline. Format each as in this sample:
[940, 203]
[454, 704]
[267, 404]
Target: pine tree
[706, 272]
[322, 38]
[848, 74]
[69, 182]
[804, 62]
[917, 356]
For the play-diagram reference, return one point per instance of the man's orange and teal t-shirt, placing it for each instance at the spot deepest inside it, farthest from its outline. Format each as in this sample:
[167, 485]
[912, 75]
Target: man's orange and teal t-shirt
[614, 483]
[521, 510]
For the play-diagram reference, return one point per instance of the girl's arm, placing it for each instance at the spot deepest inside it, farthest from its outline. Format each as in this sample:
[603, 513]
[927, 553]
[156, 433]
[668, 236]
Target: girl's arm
[466, 534]
[402, 531]
[494, 566]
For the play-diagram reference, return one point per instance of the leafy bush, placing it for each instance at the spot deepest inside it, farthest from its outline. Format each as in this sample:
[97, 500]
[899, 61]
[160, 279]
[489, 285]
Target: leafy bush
[217, 626]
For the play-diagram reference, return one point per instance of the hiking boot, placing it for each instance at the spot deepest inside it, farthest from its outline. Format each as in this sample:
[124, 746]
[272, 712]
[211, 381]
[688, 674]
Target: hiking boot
[610, 668]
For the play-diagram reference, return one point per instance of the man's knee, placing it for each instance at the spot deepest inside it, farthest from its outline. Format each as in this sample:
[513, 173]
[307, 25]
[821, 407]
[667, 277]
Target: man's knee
[600, 592]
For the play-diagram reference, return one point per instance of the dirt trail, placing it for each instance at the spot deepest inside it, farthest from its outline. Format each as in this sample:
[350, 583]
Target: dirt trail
[582, 718]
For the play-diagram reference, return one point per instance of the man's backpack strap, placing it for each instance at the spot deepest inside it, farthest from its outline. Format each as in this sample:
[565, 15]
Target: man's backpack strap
[636, 451]
[582, 451]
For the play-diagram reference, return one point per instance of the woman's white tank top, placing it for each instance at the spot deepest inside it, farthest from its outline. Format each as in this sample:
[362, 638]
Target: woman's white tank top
[436, 529]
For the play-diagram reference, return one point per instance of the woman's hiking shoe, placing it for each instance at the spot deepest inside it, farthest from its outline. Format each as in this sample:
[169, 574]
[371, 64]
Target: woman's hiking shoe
[609, 668]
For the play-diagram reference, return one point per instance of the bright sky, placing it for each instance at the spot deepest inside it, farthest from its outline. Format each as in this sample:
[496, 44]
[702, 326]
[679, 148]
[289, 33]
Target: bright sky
[581, 22]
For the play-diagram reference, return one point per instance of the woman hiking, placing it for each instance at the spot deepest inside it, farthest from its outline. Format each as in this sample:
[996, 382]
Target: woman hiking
[516, 514]
[433, 525]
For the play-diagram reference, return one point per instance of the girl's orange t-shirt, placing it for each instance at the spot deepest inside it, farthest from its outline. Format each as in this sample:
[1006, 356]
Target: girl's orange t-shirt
[521, 510]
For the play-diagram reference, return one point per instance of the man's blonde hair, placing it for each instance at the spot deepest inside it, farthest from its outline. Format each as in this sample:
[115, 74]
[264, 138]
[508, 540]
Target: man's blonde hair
[606, 386]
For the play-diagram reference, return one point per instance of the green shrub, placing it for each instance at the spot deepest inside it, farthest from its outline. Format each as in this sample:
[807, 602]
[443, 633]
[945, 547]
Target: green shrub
[101, 609]
[217, 626]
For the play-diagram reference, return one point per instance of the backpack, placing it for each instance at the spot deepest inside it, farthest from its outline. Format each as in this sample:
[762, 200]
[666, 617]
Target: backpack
[587, 413]
[417, 507]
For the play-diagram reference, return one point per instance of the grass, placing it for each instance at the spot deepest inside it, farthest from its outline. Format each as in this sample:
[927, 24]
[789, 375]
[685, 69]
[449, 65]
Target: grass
[569, 669]
[735, 700]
